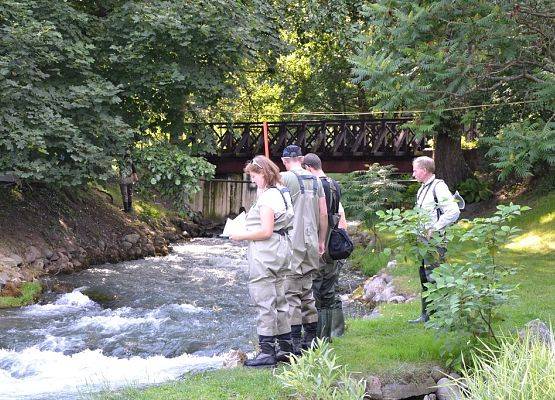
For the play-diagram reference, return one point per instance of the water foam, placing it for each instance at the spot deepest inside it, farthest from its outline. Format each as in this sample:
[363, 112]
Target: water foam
[32, 372]
[68, 302]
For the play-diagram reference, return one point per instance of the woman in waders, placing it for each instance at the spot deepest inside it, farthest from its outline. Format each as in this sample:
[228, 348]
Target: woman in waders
[267, 225]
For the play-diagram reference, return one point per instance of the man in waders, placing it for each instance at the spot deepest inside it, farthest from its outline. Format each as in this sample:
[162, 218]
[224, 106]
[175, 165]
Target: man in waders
[331, 321]
[310, 225]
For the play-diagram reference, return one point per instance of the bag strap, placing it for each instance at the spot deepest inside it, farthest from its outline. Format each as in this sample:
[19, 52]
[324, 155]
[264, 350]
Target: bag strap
[438, 209]
[312, 178]
[333, 207]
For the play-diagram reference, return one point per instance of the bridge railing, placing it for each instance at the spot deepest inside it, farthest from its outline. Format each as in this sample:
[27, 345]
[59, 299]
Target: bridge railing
[331, 138]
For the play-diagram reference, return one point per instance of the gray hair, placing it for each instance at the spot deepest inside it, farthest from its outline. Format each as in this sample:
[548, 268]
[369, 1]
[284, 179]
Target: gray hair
[425, 162]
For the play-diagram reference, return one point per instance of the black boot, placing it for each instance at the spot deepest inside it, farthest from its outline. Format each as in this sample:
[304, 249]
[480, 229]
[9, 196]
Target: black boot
[267, 355]
[309, 335]
[285, 347]
[323, 329]
[424, 317]
[337, 320]
[297, 338]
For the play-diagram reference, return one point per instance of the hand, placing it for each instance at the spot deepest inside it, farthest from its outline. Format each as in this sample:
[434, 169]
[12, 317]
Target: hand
[321, 248]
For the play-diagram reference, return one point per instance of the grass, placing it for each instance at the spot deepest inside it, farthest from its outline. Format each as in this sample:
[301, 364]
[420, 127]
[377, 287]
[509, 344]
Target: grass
[388, 346]
[29, 294]
[238, 383]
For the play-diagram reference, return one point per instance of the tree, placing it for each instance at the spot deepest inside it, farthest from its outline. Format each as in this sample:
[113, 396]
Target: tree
[440, 57]
[58, 117]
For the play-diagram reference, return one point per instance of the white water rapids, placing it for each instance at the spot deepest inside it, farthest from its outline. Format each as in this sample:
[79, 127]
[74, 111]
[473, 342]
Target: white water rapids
[153, 320]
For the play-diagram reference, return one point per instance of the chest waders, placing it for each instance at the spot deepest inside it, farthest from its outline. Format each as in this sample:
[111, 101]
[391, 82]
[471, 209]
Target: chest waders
[268, 264]
[305, 259]
[331, 321]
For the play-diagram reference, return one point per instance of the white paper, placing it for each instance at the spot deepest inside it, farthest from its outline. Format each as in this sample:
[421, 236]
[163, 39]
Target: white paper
[238, 224]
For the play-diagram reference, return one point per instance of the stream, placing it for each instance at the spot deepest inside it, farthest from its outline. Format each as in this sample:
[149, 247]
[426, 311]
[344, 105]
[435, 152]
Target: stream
[134, 323]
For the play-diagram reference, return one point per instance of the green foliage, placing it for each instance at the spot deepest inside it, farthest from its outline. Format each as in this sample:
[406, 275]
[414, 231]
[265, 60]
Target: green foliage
[465, 297]
[518, 369]
[439, 54]
[473, 190]
[370, 262]
[316, 375]
[173, 172]
[30, 292]
[520, 148]
[58, 119]
[365, 192]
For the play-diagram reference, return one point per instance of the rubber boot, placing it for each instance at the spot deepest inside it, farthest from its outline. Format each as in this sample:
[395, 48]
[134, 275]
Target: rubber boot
[323, 329]
[337, 320]
[297, 338]
[285, 348]
[424, 317]
[129, 207]
[267, 355]
[309, 335]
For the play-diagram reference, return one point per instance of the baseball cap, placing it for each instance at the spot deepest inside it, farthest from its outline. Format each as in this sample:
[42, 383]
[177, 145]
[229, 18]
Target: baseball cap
[292, 151]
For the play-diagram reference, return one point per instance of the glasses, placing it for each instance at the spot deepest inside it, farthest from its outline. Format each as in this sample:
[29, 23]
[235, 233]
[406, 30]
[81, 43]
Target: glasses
[255, 163]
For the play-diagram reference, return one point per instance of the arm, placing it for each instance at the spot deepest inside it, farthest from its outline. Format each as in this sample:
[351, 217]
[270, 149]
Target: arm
[323, 226]
[448, 206]
[342, 220]
[267, 221]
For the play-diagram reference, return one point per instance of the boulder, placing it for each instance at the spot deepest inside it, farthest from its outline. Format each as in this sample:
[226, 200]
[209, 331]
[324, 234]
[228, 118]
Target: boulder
[430, 396]
[374, 388]
[448, 390]
[234, 358]
[31, 254]
[538, 330]
[397, 391]
[126, 245]
[392, 264]
[47, 253]
[132, 238]
[13, 260]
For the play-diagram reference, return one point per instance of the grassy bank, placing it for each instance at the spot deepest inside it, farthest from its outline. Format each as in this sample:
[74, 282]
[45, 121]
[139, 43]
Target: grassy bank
[30, 291]
[388, 346]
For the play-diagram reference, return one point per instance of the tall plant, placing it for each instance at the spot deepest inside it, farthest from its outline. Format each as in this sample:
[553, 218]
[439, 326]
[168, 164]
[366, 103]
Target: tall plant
[365, 192]
[465, 298]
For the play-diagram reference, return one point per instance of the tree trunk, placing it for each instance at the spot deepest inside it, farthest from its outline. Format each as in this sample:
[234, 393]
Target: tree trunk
[448, 156]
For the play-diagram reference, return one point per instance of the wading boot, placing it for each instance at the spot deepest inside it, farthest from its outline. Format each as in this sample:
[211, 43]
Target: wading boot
[424, 317]
[285, 348]
[323, 329]
[309, 335]
[267, 355]
[337, 320]
[297, 338]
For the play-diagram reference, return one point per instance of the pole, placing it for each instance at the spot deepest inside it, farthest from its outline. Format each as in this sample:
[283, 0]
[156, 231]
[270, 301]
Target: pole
[266, 144]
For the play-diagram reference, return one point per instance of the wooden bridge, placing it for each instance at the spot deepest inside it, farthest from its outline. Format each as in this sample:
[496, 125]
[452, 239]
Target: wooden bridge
[343, 145]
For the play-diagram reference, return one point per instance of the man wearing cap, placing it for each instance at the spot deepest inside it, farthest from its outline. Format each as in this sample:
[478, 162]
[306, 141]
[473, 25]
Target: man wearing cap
[331, 321]
[310, 225]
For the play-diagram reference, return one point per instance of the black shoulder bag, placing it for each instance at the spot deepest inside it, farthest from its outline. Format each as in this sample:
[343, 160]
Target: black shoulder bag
[340, 245]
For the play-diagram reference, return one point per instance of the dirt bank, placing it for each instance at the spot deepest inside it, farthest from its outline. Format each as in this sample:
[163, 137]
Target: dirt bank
[50, 231]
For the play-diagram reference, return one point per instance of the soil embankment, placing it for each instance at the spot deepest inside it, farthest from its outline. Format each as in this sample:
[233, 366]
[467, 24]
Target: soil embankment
[50, 231]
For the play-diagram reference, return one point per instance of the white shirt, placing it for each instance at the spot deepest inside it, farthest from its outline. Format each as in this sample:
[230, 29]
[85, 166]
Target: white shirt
[445, 202]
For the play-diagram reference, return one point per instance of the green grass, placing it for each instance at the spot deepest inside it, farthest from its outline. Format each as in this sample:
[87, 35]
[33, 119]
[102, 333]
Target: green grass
[238, 383]
[29, 294]
[143, 207]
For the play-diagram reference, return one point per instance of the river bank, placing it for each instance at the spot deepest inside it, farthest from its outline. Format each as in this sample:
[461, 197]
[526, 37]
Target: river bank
[46, 231]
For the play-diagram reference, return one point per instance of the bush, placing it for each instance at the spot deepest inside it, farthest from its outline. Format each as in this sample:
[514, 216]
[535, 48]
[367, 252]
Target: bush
[473, 190]
[172, 171]
[516, 370]
[365, 192]
[316, 375]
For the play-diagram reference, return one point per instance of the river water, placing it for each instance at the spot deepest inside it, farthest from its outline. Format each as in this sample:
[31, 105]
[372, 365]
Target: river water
[133, 323]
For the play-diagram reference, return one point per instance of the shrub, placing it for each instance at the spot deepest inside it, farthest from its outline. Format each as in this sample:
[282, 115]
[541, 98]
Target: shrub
[316, 375]
[365, 192]
[173, 172]
[473, 190]
[516, 370]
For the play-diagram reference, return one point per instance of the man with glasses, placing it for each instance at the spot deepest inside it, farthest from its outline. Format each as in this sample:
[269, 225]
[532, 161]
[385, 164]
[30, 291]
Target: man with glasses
[310, 225]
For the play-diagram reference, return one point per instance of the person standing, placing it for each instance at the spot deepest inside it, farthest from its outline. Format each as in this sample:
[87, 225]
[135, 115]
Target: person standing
[309, 229]
[268, 223]
[435, 199]
[128, 177]
[331, 321]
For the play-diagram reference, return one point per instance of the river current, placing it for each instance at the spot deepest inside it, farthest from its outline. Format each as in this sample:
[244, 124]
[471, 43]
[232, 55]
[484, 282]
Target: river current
[133, 323]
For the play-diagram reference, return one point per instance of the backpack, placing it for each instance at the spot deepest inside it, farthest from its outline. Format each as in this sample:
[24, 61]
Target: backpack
[339, 245]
